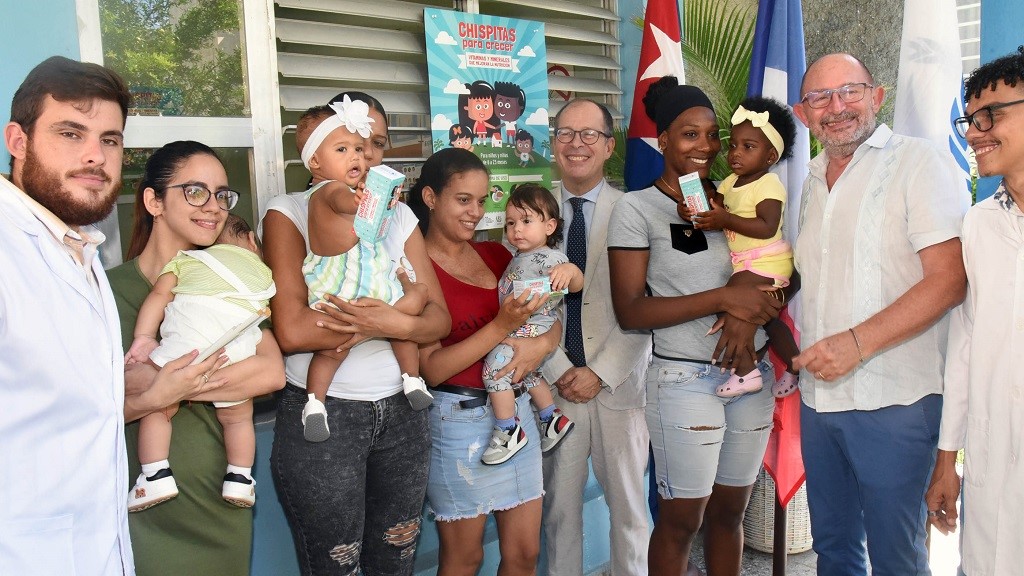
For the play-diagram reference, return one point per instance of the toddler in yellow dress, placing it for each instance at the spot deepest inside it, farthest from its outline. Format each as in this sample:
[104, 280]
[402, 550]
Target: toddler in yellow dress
[749, 208]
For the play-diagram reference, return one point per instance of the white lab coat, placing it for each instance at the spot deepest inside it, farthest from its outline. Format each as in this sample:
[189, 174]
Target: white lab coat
[983, 410]
[63, 465]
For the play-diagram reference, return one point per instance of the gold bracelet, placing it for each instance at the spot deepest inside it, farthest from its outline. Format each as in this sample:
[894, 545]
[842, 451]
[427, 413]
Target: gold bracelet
[860, 352]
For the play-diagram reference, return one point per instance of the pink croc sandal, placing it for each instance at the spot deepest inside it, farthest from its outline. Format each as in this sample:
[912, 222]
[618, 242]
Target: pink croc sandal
[786, 385]
[738, 385]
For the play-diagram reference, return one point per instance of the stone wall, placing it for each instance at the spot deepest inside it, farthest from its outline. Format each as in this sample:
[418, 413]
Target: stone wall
[868, 29]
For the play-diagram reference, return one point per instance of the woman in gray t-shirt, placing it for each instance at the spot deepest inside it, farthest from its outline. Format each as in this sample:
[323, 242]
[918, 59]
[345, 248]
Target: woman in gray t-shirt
[669, 277]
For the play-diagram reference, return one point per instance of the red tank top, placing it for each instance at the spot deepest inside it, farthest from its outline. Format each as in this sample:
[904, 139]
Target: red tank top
[471, 307]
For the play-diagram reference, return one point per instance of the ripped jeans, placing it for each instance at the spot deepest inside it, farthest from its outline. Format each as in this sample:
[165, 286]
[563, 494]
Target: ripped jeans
[354, 502]
[700, 439]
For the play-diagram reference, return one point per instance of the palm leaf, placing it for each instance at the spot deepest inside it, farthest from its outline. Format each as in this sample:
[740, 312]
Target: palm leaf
[717, 43]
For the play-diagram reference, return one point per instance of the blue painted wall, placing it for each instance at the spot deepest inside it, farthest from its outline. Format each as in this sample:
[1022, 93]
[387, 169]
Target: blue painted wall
[23, 25]
[1000, 34]
[274, 554]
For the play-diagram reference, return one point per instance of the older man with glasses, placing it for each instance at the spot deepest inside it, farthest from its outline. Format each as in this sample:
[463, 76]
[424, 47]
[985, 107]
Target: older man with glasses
[599, 369]
[879, 253]
[983, 410]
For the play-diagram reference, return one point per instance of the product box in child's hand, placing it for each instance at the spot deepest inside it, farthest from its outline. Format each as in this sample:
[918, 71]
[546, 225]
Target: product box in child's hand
[536, 287]
[383, 186]
[693, 193]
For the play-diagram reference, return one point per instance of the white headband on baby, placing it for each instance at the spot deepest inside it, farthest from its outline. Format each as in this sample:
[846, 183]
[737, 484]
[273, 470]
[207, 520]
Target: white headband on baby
[760, 120]
[352, 114]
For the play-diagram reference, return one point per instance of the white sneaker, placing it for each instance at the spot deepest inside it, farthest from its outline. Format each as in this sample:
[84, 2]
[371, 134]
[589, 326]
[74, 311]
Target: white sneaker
[314, 421]
[239, 490]
[504, 445]
[416, 391]
[552, 431]
[149, 492]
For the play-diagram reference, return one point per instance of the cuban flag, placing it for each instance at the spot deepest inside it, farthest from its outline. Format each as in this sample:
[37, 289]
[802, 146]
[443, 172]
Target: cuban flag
[661, 54]
[777, 66]
[929, 87]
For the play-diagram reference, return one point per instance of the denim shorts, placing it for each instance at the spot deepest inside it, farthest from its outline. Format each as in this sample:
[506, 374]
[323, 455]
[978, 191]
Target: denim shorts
[460, 485]
[700, 439]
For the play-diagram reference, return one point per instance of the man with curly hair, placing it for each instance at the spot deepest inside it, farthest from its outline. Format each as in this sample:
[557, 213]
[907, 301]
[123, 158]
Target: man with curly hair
[983, 412]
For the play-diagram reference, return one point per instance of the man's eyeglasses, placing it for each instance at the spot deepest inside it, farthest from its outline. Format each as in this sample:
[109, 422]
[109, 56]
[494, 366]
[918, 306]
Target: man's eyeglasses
[982, 118]
[848, 93]
[588, 136]
[198, 195]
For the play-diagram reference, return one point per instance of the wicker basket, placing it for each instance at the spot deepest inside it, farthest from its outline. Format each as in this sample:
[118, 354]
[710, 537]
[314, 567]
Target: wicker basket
[759, 521]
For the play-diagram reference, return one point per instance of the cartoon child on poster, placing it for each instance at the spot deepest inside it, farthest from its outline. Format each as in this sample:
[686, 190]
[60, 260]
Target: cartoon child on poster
[524, 147]
[477, 108]
[509, 104]
[460, 136]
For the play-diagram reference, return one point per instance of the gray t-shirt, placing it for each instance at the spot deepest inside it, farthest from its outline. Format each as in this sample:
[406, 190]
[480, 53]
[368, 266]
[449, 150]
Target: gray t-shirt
[528, 266]
[683, 261]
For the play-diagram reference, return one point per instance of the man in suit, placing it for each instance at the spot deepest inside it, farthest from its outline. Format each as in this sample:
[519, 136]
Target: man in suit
[598, 372]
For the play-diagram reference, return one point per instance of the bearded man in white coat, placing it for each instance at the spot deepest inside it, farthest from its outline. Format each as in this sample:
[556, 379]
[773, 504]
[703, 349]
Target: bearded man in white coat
[983, 401]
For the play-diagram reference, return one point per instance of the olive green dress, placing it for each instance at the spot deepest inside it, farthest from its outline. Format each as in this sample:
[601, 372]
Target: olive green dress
[197, 533]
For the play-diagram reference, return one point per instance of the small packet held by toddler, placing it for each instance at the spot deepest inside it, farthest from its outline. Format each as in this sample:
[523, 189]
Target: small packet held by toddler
[536, 287]
[383, 186]
[693, 193]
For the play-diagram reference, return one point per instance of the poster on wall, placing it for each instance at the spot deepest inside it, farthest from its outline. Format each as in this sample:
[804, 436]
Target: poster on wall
[489, 95]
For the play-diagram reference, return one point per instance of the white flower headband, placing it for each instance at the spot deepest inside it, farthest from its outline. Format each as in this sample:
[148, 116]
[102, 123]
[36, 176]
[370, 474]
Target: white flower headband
[352, 114]
[760, 120]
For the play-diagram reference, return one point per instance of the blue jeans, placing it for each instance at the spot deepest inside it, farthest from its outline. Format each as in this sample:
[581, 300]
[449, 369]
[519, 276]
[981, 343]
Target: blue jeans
[867, 472]
[355, 501]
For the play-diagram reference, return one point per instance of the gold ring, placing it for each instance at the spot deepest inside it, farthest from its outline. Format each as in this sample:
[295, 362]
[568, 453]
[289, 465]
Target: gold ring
[820, 377]
[206, 379]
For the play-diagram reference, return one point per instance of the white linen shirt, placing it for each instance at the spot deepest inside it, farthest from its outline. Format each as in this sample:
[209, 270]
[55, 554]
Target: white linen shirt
[983, 404]
[856, 251]
[63, 464]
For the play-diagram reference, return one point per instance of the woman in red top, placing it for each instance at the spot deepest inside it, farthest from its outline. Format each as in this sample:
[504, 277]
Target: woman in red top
[462, 492]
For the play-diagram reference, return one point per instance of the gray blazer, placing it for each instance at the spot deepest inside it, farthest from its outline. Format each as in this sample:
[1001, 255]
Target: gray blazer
[617, 356]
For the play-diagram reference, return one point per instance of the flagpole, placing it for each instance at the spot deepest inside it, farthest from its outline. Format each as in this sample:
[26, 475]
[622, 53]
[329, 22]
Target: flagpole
[779, 544]
[777, 65]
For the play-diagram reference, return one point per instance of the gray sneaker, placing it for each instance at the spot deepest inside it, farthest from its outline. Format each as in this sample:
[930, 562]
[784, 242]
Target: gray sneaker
[416, 392]
[552, 431]
[314, 421]
[504, 444]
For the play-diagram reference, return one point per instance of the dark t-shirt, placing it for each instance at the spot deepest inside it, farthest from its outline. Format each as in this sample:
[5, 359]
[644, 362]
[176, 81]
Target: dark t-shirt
[472, 307]
[197, 533]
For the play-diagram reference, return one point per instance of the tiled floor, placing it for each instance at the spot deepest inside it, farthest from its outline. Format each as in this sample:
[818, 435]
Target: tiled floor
[945, 557]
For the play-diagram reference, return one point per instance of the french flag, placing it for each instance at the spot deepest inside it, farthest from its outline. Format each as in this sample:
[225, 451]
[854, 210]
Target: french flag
[661, 54]
[777, 66]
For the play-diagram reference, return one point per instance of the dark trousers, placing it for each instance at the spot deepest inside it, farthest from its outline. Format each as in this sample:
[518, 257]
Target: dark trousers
[867, 472]
[352, 501]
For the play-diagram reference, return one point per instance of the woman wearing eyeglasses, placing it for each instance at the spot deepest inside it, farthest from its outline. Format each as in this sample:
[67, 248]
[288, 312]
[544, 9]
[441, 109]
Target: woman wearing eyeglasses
[182, 203]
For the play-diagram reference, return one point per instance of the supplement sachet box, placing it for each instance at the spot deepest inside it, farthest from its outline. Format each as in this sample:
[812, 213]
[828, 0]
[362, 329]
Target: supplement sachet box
[383, 187]
[693, 193]
[536, 287]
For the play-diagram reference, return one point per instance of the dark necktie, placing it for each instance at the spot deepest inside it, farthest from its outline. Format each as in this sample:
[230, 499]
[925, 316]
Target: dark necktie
[576, 250]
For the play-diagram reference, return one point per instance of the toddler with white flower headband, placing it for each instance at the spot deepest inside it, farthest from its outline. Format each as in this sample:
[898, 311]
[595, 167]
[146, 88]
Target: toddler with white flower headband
[330, 140]
[749, 207]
